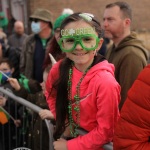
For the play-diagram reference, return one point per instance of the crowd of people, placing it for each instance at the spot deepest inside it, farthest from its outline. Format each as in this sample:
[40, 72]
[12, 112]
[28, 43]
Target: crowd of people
[67, 68]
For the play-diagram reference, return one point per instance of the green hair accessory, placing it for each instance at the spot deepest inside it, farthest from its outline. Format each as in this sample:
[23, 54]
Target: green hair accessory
[87, 16]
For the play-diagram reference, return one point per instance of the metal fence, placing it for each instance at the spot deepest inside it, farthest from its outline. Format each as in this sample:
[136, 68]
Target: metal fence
[15, 136]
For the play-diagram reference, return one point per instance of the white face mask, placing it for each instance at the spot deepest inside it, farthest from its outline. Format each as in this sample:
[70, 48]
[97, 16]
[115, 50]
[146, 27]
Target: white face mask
[35, 27]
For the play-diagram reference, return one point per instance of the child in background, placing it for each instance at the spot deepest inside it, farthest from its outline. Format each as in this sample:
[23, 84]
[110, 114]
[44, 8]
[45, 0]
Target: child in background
[8, 130]
[37, 97]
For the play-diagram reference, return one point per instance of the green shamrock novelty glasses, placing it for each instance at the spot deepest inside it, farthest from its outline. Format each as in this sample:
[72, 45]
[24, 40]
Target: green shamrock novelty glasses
[88, 42]
[85, 37]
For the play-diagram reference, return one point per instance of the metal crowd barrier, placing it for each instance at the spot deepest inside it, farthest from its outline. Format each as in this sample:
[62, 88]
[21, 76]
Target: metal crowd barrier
[34, 108]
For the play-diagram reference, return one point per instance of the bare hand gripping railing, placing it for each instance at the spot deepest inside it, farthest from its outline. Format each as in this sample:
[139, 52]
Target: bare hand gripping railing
[35, 109]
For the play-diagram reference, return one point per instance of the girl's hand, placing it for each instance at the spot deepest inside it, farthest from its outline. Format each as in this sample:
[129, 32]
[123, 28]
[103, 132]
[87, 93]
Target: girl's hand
[14, 83]
[60, 144]
[46, 114]
[17, 122]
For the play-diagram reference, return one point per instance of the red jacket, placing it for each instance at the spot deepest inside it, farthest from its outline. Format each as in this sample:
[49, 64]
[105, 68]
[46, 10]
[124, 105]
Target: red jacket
[133, 129]
[100, 95]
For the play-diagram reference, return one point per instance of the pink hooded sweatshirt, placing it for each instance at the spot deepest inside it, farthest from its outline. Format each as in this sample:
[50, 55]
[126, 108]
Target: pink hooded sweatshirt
[100, 96]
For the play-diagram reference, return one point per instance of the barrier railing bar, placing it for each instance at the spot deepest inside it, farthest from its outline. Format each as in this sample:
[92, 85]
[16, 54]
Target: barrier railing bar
[36, 109]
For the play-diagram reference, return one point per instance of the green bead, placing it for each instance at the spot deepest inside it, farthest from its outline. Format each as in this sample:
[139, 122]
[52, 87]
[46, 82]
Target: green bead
[76, 97]
[70, 71]
[76, 108]
[74, 126]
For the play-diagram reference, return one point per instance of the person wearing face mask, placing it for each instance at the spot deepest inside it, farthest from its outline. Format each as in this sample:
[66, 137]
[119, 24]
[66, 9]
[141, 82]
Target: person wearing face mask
[6, 71]
[34, 48]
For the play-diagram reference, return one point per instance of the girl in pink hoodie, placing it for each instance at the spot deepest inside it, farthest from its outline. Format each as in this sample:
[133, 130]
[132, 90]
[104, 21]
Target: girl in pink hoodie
[81, 89]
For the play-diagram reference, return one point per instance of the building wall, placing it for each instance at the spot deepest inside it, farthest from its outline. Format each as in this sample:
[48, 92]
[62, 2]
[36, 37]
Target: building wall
[141, 17]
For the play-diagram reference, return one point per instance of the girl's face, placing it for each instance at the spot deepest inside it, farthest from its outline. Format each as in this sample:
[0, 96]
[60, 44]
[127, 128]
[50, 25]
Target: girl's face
[81, 57]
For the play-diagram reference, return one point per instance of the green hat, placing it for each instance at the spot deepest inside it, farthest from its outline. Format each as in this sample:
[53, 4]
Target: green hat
[42, 14]
[59, 20]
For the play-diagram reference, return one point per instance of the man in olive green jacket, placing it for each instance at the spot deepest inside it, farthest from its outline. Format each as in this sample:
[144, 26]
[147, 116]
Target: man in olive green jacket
[127, 53]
